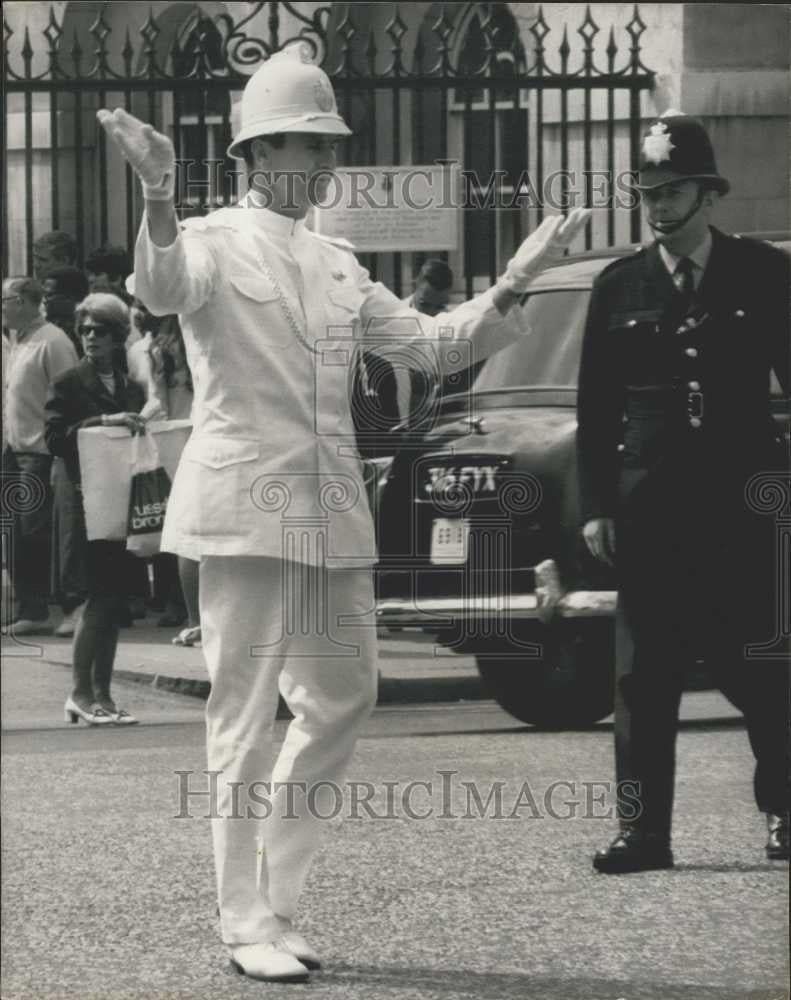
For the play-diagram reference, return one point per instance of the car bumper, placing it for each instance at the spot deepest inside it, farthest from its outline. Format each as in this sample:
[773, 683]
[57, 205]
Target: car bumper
[548, 602]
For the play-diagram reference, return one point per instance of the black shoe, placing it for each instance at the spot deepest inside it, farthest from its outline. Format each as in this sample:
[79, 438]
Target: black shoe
[634, 851]
[777, 843]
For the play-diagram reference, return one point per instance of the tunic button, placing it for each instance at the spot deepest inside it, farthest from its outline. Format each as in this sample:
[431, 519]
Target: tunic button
[632, 322]
[620, 447]
[694, 386]
[695, 422]
[739, 313]
[691, 352]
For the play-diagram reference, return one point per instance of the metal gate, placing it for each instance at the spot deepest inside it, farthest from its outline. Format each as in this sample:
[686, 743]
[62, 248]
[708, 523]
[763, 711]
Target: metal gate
[417, 82]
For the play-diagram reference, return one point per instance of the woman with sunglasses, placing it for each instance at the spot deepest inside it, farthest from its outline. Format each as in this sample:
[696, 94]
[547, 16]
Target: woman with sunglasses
[97, 392]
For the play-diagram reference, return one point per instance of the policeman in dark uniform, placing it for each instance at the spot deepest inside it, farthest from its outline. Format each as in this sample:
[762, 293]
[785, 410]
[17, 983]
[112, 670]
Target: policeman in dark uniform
[674, 420]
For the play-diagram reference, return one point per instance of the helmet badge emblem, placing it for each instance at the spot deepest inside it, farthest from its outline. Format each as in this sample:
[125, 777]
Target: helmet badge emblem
[657, 145]
[323, 94]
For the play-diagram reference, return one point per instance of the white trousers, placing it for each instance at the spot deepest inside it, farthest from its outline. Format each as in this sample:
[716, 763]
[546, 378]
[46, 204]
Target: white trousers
[308, 630]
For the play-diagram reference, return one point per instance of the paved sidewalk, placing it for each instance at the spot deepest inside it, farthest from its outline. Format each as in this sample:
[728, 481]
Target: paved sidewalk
[412, 670]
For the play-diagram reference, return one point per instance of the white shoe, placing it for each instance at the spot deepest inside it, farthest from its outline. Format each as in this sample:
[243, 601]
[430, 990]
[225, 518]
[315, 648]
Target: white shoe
[70, 621]
[94, 716]
[121, 717]
[29, 626]
[296, 944]
[188, 637]
[269, 963]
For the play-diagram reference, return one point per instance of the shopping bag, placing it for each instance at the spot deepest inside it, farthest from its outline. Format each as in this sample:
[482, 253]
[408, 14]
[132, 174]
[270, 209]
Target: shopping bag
[106, 470]
[148, 498]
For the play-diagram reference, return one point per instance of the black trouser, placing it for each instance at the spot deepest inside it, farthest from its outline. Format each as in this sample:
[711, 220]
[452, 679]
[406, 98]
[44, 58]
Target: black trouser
[700, 584]
[28, 496]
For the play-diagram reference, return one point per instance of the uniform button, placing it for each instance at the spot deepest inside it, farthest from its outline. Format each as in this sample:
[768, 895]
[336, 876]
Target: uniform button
[620, 447]
[682, 329]
[691, 352]
[694, 386]
[695, 422]
[739, 313]
[632, 322]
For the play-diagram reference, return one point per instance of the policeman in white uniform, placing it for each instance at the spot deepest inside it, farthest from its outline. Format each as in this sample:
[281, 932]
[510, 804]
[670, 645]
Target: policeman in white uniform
[269, 493]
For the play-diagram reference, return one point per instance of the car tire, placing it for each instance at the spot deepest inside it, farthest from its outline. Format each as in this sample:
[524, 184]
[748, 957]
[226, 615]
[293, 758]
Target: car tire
[568, 685]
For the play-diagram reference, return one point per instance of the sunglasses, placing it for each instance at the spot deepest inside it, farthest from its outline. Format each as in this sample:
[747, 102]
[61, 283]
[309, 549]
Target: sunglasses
[100, 329]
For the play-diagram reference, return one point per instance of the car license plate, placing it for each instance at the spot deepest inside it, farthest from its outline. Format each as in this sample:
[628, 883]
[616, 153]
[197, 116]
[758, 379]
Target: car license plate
[450, 540]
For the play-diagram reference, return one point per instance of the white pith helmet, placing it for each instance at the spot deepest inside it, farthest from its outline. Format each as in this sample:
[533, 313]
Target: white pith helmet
[289, 93]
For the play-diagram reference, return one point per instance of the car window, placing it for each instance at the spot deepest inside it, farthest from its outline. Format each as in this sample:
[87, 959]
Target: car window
[550, 354]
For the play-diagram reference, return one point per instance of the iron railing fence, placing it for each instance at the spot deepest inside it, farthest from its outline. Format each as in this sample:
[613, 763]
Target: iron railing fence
[417, 82]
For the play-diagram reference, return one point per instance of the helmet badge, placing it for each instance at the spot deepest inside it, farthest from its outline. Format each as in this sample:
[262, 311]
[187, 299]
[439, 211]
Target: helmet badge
[657, 145]
[324, 97]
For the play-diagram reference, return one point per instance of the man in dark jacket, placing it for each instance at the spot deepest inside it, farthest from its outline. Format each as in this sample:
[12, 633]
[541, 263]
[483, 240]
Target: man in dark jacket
[674, 422]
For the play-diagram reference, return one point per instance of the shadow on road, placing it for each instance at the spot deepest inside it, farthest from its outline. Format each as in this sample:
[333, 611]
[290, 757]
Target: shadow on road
[731, 868]
[504, 985]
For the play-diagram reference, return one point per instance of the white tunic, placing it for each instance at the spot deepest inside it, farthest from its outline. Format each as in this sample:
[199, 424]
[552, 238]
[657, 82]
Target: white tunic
[271, 468]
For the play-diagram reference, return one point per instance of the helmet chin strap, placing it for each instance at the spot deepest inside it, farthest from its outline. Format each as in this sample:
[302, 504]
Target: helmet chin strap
[667, 228]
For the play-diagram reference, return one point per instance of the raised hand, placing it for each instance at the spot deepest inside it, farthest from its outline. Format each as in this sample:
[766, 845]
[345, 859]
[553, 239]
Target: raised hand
[542, 248]
[148, 152]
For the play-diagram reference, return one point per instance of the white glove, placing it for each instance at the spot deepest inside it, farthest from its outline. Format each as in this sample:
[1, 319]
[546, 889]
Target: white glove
[543, 247]
[149, 153]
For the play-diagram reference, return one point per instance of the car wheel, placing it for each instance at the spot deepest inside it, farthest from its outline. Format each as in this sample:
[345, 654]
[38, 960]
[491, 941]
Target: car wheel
[567, 685]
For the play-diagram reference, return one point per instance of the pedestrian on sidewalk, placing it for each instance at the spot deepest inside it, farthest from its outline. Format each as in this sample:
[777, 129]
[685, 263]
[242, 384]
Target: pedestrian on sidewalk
[95, 393]
[38, 353]
[51, 250]
[170, 397]
[64, 288]
[269, 493]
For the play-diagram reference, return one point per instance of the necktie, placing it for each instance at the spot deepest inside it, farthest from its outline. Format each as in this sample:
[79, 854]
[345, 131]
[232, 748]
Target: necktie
[684, 281]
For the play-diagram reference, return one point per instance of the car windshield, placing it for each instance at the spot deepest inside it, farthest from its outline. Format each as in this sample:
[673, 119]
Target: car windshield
[550, 354]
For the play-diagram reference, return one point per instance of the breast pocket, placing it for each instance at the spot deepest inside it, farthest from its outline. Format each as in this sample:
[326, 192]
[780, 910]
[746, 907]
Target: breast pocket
[261, 297]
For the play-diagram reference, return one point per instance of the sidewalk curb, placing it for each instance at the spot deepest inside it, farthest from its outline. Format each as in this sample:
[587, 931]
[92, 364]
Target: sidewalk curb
[392, 690]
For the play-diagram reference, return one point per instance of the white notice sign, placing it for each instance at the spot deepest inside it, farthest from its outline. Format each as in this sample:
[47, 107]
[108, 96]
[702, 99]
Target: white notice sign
[393, 208]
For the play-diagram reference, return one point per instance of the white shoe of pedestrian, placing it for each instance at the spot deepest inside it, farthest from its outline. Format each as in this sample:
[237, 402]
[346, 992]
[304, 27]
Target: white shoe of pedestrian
[70, 621]
[188, 637]
[29, 626]
[94, 716]
[295, 943]
[121, 717]
[268, 962]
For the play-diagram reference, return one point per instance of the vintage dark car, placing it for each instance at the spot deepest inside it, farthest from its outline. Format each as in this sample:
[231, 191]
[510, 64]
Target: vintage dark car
[478, 523]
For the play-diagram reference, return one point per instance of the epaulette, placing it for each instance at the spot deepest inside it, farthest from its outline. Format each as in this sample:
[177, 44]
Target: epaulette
[755, 241]
[218, 219]
[336, 241]
[622, 261]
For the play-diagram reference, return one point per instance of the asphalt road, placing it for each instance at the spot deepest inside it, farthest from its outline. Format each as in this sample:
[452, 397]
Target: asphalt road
[107, 895]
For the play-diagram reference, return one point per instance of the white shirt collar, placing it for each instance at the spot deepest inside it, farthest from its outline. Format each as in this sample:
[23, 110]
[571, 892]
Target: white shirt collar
[699, 256]
[279, 226]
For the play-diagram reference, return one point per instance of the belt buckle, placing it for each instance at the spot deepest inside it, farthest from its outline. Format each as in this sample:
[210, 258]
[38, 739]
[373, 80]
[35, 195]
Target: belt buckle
[695, 405]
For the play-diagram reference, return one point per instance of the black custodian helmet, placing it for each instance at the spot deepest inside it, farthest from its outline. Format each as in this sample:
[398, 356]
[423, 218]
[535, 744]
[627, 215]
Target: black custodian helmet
[677, 147]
